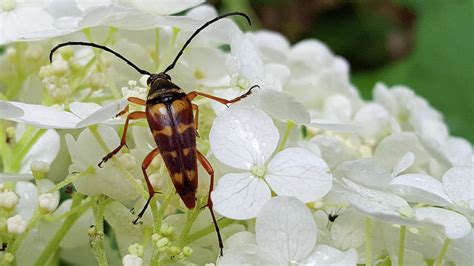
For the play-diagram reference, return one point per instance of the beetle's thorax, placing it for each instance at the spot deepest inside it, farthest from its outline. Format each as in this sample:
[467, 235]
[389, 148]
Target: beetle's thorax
[162, 90]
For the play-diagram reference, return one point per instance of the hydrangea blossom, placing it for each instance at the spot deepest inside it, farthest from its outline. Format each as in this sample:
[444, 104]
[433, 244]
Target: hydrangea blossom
[307, 172]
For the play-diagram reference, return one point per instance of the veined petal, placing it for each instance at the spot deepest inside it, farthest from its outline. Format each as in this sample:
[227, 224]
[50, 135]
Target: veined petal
[38, 115]
[378, 204]
[420, 188]
[453, 224]
[240, 196]
[108, 111]
[325, 255]
[459, 185]
[365, 171]
[248, 254]
[164, 7]
[282, 106]
[243, 137]
[299, 173]
[286, 229]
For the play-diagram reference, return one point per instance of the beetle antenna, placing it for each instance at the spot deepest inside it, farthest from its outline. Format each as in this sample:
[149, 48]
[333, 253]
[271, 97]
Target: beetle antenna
[200, 29]
[141, 71]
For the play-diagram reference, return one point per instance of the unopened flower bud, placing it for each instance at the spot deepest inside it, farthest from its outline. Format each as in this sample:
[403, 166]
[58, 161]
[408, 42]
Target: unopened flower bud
[8, 200]
[136, 249]
[7, 258]
[33, 52]
[60, 66]
[128, 161]
[162, 242]
[166, 229]
[39, 169]
[155, 237]
[173, 251]
[16, 225]
[97, 81]
[132, 260]
[187, 251]
[11, 53]
[47, 203]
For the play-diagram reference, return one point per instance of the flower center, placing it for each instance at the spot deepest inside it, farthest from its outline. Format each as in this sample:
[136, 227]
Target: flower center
[259, 171]
[7, 5]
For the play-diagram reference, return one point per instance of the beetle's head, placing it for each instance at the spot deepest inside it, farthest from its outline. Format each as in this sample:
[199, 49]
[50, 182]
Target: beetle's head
[153, 78]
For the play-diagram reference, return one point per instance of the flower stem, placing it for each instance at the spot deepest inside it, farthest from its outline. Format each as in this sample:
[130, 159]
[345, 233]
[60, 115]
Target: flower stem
[162, 209]
[97, 237]
[71, 178]
[401, 247]
[61, 233]
[190, 218]
[203, 232]
[368, 241]
[442, 253]
[289, 126]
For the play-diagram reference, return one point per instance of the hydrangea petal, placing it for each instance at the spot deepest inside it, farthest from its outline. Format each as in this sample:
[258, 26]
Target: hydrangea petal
[326, 256]
[378, 204]
[286, 229]
[454, 225]
[28, 195]
[459, 151]
[420, 188]
[46, 149]
[459, 185]
[240, 196]
[108, 111]
[39, 115]
[164, 7]
[333, 125]
[348, 230]
[242, 137]
[8, 110]
[282, 106]
[248, 254]
[405, 162]
[365, 171]
[299, 173]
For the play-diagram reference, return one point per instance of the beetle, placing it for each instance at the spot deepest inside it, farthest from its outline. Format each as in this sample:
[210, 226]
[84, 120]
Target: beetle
[169, 112]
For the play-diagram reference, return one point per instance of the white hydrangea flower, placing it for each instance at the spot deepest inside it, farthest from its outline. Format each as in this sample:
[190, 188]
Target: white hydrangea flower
[8, 200]
[245, 138]
[16, 225]
[285, 234]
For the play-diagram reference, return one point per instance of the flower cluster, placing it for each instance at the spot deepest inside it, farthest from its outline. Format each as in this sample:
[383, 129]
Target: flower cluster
[307, 172]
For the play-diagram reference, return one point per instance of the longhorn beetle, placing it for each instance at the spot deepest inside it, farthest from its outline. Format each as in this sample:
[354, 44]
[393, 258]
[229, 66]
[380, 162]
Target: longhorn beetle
[169, 113]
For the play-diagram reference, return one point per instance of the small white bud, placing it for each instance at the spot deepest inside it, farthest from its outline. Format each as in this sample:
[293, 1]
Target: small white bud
[8, 258]
[162, 242]
[97, 81]
[132, 260]
[11, 53]
[60, 66]
[188, 252]
[47, 202]
[155, 237]
[127, 160]
[33, 52]
[9, 200]
[173, 251]
[16, 225]
[166, 229]
[39, 169]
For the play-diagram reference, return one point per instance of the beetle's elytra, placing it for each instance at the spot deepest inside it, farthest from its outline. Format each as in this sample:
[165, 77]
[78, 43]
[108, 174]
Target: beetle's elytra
[169, 112]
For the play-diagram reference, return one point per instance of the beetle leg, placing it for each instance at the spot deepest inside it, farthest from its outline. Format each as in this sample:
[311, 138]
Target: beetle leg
[134, 100]
[196, 118]
[146, 162]
[208, 167]
[123, 140]
[194, 94]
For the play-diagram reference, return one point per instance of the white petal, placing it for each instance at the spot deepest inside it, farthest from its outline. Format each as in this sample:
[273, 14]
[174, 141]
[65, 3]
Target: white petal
[325, 255]
[459, 185]
[452, 223]
[405, 162]
[28, 195]
[228, 94]
[83, 110]
[38, 115]
[378, 204]
[248, 64]
[46, 149]
[108, 111]
[282, 106]
[459, 151]
[420, 188]
[333, 125]
[240, 238]
[243, 137]
[348, 230]
[164, 7]
[365, 171]
[299, 173]
[286, 229]
[374, 121]
[248, 254]
[333, 150]
[240, 196]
